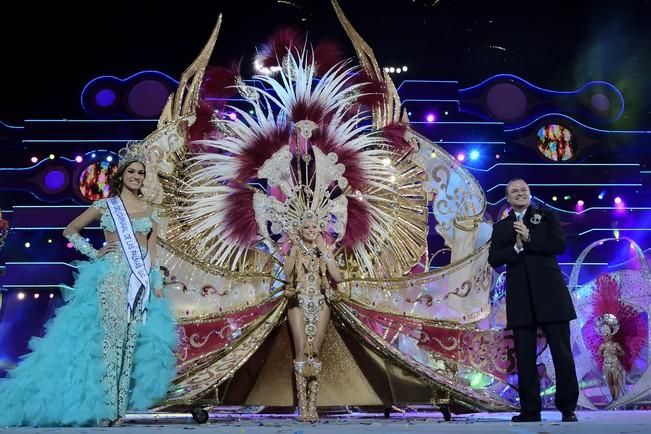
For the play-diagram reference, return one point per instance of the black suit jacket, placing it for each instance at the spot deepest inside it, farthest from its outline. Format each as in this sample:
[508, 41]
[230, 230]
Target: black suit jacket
[535, 289]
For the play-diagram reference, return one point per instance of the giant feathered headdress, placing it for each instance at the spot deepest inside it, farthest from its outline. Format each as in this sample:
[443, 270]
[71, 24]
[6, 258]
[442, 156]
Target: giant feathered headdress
[308, 150]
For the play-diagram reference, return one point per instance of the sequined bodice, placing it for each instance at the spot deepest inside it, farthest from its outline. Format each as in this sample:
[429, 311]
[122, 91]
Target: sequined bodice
[610, 352]
[308, 278]
[310, 299]
[140, 224]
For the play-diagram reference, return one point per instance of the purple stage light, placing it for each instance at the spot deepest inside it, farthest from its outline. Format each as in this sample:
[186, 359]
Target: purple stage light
[620, 205]
[34, 160]
[430, 117]
[600, 102]
[78, 159]
[506, 101]
[105, 98]
[54, 180]
[147, 98]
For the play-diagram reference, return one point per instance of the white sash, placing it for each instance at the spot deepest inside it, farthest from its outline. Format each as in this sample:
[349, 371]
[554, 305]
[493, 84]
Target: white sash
[140, 266]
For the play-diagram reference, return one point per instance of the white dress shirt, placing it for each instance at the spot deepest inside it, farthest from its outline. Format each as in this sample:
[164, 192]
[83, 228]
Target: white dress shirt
[519, 216]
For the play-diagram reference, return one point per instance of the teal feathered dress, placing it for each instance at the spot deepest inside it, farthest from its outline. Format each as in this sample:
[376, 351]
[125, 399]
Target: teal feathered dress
[94, 361]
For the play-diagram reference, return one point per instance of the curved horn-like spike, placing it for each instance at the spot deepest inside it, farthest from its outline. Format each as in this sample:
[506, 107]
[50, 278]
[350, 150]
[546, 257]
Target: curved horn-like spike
[364, 51]
[390, 110]
[187, 95]
[395, 112]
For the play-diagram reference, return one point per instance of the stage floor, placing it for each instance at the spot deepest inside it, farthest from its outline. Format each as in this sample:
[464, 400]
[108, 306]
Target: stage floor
[590, 422]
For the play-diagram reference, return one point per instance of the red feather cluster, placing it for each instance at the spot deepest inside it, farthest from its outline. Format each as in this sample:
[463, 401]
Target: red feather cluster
[239, 222]
[220, 82]
[260, 150]
[301, 110]
[395, 136]
[203, 127]
[281, 41]
[372, 93]
[325, 54]
[358, 227]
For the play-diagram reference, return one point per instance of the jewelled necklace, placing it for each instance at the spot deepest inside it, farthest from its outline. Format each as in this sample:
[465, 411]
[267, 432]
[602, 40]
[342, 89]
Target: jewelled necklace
[308, 251]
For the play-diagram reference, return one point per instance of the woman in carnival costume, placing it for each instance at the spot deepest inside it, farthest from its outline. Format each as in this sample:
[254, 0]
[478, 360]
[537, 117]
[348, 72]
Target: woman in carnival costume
[112, 346]
[306, 268]
[315, 180]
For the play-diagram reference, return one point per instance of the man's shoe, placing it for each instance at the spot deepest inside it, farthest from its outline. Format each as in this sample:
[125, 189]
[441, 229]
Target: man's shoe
[526, 417]
[569, 416]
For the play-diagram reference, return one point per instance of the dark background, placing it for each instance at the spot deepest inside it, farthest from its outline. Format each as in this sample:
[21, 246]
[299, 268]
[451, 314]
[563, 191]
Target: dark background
[50, 51]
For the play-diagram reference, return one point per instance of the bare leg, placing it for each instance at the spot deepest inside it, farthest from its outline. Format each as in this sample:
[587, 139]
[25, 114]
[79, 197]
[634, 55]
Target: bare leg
[322, 327]
[613, 384]
[619, 382]
[297, 327]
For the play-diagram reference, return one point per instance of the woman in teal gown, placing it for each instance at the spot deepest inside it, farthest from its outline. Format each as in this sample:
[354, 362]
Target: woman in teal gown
[104, 351]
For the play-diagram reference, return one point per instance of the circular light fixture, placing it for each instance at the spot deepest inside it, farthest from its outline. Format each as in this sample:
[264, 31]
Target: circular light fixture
[94, 180]
[556, 142]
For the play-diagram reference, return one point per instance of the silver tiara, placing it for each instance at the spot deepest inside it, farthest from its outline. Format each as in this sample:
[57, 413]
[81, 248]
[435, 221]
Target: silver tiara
[132, 152]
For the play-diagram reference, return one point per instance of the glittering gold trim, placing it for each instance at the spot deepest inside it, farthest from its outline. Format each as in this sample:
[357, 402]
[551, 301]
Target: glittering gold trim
[453, 325]
[388, 112]
[418, 279]
[209, 358]
[187, 95]
[206, 379]
[218, 271]
[401, 211]
[484, 400]
[217, 315]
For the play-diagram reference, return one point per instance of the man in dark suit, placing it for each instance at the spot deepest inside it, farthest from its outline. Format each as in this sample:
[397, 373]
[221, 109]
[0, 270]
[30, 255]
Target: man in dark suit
[527, 242]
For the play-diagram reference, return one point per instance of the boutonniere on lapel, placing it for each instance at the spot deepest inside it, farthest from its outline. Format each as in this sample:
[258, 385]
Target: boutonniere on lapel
[536, 219]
